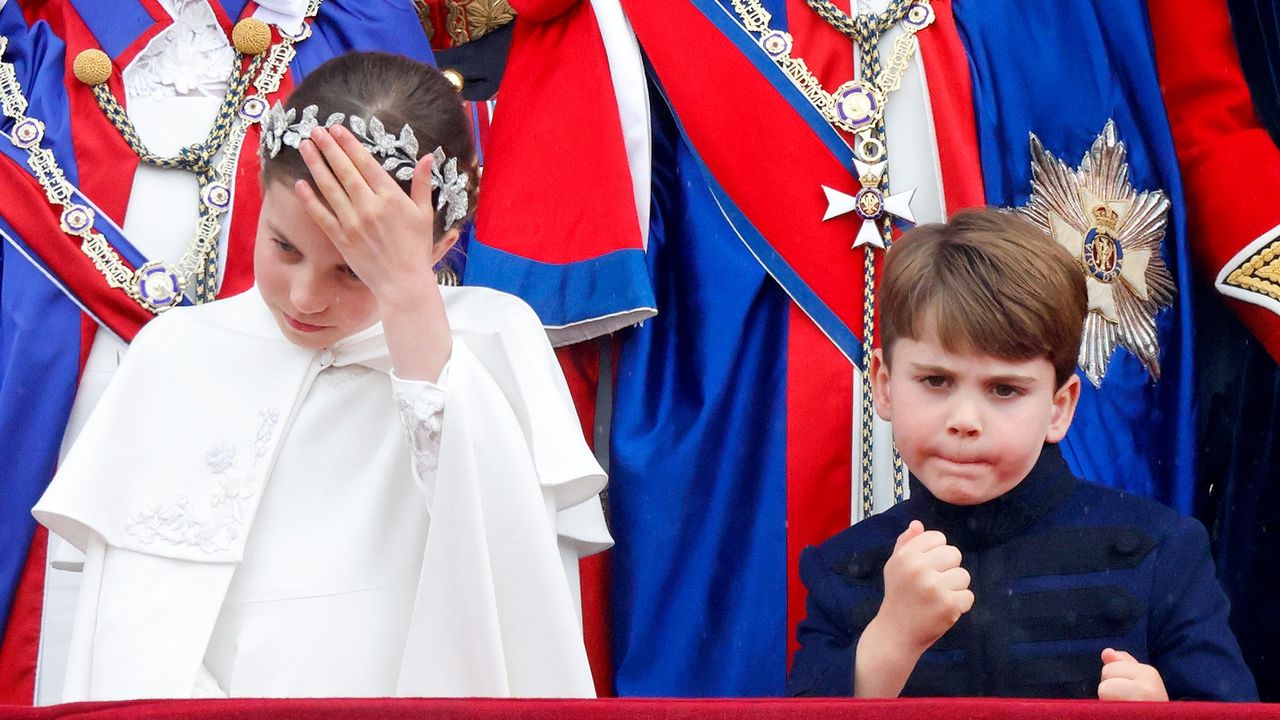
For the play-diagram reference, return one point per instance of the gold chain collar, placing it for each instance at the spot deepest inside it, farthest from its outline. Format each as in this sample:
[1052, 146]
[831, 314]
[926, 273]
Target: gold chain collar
[155, 286]
[858, 105]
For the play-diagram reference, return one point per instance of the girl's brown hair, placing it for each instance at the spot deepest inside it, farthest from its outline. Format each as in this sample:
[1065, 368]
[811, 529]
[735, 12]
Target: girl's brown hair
[396, 90]
[990, 282]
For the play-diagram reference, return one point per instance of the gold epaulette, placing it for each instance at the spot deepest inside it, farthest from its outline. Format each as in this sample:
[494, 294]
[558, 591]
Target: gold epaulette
[462, 20]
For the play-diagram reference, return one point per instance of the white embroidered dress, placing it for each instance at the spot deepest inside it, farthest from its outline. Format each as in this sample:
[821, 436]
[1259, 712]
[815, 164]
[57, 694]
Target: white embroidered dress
[329, 529]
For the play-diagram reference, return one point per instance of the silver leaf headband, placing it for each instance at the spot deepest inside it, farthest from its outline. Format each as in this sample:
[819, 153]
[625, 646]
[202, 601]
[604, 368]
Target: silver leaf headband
[399, 154]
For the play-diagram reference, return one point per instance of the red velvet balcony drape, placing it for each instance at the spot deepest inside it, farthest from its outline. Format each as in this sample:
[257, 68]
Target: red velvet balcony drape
[635, 709]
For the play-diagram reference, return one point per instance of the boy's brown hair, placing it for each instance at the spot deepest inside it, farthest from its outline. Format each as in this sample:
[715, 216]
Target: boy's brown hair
[991, 282]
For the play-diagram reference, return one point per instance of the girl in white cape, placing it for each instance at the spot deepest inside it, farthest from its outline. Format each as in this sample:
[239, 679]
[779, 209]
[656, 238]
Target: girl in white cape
[346, 481]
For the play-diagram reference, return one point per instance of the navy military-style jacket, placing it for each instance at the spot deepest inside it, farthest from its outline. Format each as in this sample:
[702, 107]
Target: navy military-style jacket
[1061, 569]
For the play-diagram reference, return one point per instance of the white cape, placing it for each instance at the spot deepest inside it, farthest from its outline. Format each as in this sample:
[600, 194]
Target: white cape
[516, 485]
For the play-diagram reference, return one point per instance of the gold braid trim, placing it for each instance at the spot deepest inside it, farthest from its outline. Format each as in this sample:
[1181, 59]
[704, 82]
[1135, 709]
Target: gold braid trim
[473, 19]
[1260, 273]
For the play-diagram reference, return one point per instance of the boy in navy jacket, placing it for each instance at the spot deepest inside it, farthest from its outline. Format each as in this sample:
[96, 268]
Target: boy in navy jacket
[1003, 574]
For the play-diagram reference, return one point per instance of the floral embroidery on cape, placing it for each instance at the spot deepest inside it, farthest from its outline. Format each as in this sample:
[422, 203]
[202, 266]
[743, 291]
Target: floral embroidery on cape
[214, 522]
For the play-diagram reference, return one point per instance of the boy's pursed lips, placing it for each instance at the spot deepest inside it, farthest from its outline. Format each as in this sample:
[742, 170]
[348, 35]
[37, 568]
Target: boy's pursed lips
[964, 460]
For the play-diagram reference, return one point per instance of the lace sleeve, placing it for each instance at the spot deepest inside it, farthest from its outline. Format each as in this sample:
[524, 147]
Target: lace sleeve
[421, 406]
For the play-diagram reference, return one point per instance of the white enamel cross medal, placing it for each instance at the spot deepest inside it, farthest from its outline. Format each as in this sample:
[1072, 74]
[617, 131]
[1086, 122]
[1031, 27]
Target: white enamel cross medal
[871, 203]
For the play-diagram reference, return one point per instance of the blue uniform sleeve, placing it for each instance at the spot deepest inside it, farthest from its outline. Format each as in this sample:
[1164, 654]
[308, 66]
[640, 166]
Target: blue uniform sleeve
[1190, 642]
[823, 666]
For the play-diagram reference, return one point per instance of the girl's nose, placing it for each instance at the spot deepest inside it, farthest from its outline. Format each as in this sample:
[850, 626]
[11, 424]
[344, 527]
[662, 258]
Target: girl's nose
[308, 294]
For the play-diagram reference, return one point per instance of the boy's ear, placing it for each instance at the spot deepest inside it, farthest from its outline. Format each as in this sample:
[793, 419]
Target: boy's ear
[879, 370]
[445, 243]
[1064, 408]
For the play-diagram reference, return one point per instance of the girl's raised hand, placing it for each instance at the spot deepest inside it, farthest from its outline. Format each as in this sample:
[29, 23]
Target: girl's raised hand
[386, 238]
[384, 235]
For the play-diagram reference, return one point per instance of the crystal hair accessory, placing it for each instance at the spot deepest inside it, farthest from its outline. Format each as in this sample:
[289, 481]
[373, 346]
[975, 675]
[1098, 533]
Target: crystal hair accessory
[398, 153]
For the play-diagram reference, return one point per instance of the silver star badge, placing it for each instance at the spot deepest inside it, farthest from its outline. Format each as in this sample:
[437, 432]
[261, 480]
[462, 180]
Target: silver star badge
[1115, 233]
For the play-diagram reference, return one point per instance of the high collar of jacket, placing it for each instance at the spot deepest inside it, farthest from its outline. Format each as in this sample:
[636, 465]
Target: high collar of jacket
[1048, 484]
